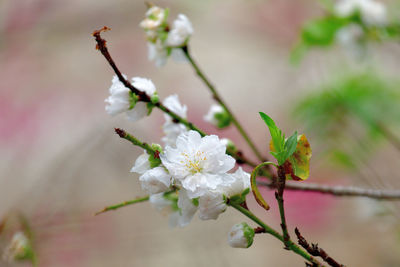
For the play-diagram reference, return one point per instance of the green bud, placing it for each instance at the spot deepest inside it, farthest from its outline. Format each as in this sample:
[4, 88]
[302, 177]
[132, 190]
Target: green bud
[154, 98]
[154, 159]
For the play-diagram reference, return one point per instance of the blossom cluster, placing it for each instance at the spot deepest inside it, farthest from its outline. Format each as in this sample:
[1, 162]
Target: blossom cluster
[190, 173]
[192, 177]
[164, 40]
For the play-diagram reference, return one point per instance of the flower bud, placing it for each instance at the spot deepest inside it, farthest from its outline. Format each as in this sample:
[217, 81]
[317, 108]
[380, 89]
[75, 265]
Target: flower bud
[155, 16]
[19, 248]
[218, 116]
[241, 236]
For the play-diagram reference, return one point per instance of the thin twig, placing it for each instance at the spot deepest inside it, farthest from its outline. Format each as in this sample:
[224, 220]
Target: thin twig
[123, 204]
[267, 229]
[102, 47]
[349, 191]
[315, 250]
[218, 98]
[279, 198]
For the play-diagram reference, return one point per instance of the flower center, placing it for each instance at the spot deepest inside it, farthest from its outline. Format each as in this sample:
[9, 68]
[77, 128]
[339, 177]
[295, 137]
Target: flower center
[194, 163]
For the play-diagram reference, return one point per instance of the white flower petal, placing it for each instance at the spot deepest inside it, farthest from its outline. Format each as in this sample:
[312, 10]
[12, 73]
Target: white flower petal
[181, 30]
[142, 164]
[187, 208]
[211, 205]
[156, 180]
[138, 112]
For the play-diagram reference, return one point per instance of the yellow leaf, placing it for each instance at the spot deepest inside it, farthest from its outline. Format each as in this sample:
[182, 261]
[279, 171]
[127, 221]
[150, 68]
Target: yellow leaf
[300, 160]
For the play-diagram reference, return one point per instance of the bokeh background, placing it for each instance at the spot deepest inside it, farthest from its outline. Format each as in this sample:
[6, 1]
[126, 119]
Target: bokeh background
[60, 160]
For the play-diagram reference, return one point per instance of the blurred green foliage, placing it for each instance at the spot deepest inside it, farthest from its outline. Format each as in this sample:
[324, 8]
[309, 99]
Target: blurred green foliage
[322, 32]
[349, 115]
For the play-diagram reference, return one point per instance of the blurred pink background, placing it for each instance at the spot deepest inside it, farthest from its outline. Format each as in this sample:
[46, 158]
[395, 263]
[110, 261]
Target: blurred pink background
[60, 160]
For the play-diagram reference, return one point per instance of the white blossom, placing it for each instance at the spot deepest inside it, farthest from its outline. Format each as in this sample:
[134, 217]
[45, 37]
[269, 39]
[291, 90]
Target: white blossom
[140, 109]
[157, 53]
[171, 129]
[120, 99]
[241, 236]
[155, 180]
[155, 16]
[212, 203]
[371, 11]
[142, 164]
[180, 32]
[197, 163]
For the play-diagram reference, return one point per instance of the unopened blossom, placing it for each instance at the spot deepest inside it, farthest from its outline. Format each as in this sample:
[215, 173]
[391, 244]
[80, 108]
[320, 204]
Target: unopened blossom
[180, 32]
[122, 100]
[197, 163]
[171, 129]
[156, 180]
[217, 116]
[18, 249]
[371, 11]
[155, 16]
[241, 236]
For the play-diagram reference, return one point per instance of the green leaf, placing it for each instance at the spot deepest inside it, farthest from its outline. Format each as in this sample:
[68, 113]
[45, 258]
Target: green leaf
[280, 148]
[290, 146]
[150, 107]
[278, 139]
[321, 31]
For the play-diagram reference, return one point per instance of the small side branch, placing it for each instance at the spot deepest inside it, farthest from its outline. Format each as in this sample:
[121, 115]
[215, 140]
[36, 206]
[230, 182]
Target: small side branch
[348, 191]
[218, 98]
[316, 251]
[123, 204]
[279, 198]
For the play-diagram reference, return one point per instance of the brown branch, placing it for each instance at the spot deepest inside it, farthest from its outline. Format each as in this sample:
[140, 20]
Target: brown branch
[280, 186]
[102, 47]
[349, 191]
[315, 250]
